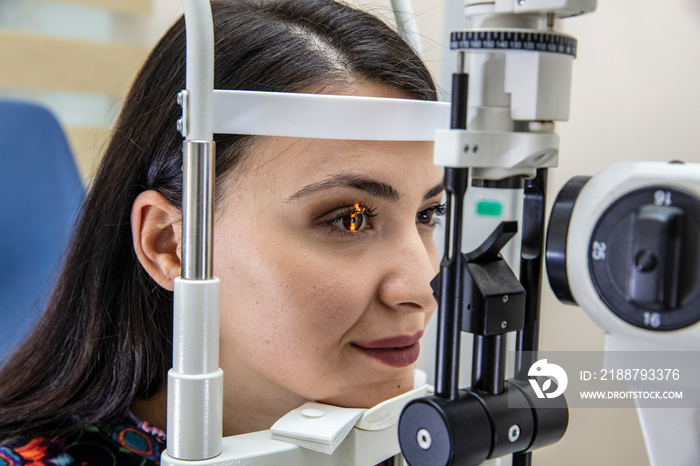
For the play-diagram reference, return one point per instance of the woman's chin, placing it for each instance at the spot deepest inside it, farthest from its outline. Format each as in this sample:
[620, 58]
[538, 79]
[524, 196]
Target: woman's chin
[371, 394]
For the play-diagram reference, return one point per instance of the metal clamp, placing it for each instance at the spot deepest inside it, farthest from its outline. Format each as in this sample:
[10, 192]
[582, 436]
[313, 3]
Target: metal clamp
[183, 125]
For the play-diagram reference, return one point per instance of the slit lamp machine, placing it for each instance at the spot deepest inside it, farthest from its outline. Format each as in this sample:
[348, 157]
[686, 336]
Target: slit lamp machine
[622, 245]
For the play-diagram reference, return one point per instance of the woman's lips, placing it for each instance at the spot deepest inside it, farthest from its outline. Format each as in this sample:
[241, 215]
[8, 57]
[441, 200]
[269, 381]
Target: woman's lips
[399, 351]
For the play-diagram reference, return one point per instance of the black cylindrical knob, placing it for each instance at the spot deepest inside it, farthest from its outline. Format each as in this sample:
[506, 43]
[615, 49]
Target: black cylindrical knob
[512, 421]
[434, 431]
[551, 415]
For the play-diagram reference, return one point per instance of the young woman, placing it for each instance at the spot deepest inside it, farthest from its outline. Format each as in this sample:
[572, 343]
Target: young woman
[323, 247]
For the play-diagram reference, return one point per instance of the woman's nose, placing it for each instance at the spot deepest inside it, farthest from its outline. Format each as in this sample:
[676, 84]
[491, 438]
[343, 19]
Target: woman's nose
[409, 267]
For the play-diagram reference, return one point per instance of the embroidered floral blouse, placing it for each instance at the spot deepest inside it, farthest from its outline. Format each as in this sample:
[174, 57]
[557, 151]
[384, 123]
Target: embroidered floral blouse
[131, 442]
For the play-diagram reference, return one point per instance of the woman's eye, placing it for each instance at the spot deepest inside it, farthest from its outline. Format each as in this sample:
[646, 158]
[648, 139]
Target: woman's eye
[430, 215]
[357, 219]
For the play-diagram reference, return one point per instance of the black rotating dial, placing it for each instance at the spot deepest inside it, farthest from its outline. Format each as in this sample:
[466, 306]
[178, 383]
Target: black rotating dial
[644, 256]
[513, 40]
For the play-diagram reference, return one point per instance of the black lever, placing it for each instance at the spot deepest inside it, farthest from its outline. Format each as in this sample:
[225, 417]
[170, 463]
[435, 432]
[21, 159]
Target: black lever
[493, 298]
[490, 249]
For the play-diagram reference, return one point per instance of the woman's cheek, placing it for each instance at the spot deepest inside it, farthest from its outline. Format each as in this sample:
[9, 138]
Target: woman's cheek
[325, 305]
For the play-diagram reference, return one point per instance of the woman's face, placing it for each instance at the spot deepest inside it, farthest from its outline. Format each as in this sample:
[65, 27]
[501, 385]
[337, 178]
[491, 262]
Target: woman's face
[325, 253]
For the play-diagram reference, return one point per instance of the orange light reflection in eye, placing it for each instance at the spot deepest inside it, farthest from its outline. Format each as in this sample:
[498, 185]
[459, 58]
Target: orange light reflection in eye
[353, 216]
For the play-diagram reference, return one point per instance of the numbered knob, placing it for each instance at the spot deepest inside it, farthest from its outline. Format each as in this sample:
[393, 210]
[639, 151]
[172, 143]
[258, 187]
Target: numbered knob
[654, 272]
[644, 258]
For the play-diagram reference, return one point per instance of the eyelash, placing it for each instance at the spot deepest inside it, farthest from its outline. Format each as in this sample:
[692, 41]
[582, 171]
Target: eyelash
[438, 211]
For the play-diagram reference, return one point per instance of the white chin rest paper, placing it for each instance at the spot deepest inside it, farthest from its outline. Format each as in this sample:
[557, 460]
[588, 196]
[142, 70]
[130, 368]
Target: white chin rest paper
[324, 116]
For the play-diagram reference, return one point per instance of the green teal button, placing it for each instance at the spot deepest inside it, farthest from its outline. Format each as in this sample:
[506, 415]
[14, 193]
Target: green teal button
[489, 208]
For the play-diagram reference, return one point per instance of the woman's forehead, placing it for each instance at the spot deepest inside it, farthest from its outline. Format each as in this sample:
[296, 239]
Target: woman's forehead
[295, 163]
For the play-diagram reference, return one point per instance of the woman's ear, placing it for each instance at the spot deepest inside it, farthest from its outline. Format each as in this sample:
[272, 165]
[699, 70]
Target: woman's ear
[156, 229]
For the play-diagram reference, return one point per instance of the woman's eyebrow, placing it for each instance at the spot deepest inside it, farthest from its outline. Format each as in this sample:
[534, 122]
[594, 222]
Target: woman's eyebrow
[373, 187]
[439, 188]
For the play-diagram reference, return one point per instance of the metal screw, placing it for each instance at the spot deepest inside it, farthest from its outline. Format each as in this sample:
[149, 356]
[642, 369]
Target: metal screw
[514, 433]
[180, 98]
[424, 439]
[505, 298]
[504, 324]
[521, 2]
[179, 125]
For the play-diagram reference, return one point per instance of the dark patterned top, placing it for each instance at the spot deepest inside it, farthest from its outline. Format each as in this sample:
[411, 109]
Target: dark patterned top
[131, 442]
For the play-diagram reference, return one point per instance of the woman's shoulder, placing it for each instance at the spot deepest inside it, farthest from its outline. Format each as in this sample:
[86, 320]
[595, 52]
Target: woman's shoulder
[125, 442]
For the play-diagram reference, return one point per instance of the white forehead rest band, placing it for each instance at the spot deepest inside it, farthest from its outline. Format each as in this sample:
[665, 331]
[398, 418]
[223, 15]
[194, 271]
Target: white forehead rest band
[325, 116]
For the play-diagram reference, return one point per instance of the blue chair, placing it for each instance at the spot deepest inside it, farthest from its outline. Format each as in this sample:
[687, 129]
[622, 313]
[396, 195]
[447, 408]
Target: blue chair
[40, 195]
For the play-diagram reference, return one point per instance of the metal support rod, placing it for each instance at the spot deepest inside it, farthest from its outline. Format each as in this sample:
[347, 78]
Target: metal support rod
[450, 306]
[489, 363]
[551, 18]
[197, 210]
[460, 94]
[531, 255]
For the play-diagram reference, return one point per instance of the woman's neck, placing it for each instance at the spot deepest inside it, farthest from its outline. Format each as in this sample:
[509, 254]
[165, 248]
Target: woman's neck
[254, 405]
[153, 410]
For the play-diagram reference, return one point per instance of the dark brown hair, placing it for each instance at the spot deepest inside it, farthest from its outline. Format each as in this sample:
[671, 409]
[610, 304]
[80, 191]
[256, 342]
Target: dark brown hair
[104, 339]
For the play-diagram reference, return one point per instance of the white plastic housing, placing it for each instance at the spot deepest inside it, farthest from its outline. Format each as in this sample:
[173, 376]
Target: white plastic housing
[535, 86]
[595, 197]
[496, 154]
[360, 448]
[195, 383]
[539, 85]
[481, 225]
[561, 8]
[671, 435]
